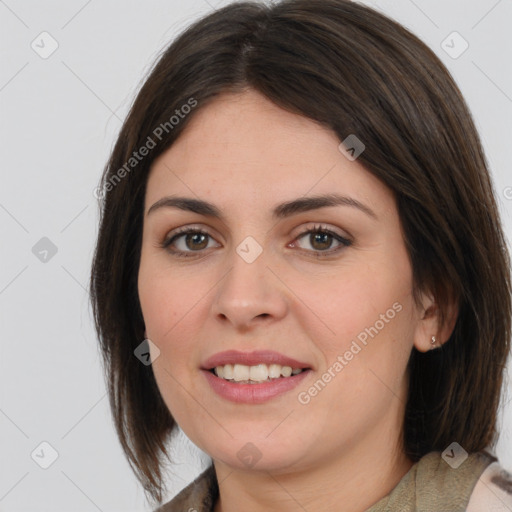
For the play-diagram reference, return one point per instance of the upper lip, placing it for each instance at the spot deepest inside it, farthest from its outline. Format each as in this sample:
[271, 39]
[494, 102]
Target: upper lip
[251, 359]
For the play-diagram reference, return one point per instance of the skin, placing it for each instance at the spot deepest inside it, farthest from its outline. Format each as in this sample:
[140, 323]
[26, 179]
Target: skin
[246, 155]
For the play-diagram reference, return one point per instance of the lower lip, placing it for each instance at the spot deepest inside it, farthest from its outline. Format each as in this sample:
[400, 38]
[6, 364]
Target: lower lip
[253, 393]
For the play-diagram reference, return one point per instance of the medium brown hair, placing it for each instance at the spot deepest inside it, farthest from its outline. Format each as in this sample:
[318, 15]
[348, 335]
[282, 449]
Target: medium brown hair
[354, 71]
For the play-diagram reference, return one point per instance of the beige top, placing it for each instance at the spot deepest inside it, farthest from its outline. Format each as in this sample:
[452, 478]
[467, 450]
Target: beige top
[479, 484]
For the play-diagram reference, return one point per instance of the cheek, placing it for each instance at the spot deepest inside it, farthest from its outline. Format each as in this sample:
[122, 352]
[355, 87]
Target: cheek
[371, 312]
[171, 306]
[361, 305]
[167, 296]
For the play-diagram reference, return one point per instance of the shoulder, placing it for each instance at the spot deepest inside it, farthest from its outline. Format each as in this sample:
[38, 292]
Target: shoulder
[199, 496]
[444, 481]
[493, 491]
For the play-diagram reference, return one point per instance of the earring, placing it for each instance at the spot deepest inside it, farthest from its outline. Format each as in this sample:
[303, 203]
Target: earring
[433, 342]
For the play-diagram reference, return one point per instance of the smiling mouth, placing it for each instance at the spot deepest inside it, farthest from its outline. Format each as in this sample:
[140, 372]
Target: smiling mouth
[257, 374]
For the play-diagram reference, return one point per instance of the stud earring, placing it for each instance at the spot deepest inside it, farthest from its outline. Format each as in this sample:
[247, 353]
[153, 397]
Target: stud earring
[433, 342]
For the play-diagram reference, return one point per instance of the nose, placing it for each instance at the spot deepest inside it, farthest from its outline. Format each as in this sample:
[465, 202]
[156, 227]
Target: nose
[250, 294]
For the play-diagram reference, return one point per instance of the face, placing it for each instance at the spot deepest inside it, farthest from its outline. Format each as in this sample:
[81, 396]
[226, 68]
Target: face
[327, 286]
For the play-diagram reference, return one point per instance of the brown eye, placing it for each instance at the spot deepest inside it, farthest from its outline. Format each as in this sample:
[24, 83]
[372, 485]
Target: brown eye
[196, 241]
[187, 241]
[321, 241]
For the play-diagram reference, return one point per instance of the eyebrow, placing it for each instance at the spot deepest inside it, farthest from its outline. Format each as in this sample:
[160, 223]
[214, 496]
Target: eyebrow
[281, 211]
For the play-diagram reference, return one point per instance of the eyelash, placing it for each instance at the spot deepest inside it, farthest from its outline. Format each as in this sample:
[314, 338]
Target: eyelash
[316, 229]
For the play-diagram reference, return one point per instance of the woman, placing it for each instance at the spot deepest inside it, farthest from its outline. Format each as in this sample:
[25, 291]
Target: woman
[300, 262]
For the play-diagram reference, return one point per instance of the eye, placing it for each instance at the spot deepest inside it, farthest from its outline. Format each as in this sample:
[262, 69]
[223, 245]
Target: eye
[321, 240]
[187, 241]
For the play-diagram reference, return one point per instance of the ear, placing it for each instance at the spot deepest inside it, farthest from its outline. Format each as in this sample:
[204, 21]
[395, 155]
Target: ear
[429, 324]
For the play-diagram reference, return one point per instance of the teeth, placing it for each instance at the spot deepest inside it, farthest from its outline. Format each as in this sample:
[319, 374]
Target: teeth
[240, 372]
[286, 371]
[274, 371]
[227, 371]
[252, 374]
[258, 373]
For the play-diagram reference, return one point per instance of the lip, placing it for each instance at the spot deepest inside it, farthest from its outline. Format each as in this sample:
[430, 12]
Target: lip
[252, 359]
[253, 393]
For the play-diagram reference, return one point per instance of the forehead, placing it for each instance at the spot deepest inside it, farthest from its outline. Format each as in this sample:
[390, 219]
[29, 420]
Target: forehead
[244, 147]
[250, 125]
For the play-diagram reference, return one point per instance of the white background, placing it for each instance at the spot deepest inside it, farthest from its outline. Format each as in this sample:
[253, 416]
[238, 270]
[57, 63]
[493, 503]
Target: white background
[59, 118]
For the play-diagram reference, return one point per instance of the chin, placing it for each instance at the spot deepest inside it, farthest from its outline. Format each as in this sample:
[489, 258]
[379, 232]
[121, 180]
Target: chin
[253, 454]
